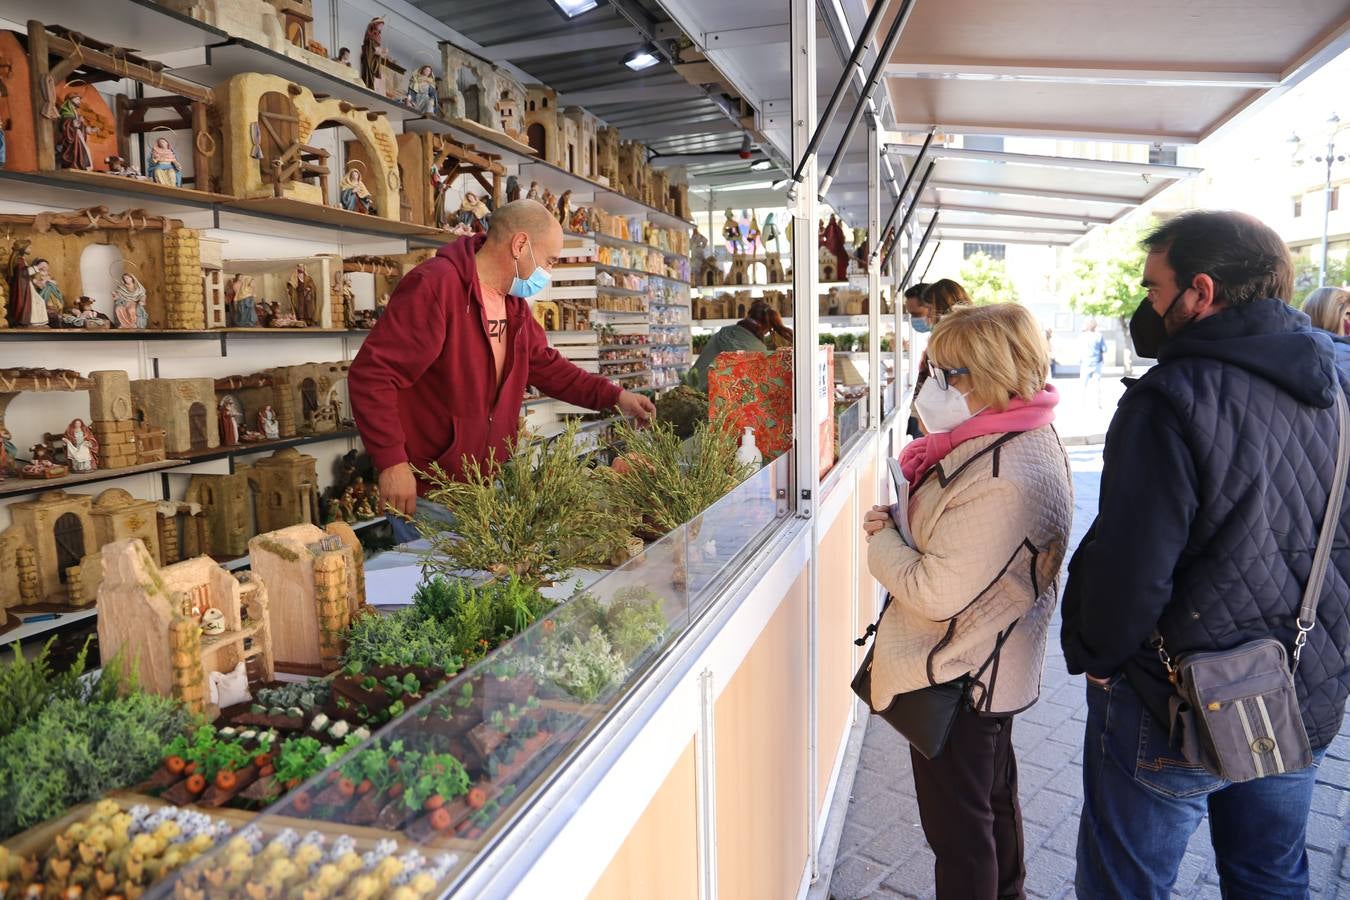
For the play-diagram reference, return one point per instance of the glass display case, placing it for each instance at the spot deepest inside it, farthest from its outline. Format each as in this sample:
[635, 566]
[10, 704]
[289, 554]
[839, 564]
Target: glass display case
[408, 812]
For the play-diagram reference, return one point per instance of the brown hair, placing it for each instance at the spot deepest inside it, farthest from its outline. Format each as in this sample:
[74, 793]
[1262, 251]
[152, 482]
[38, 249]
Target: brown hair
[1002, 346]
[1246, 258]
[1326, 307]
[944, 296]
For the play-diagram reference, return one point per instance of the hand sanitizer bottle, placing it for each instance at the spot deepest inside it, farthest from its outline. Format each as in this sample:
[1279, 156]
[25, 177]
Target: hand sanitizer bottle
[748, 454]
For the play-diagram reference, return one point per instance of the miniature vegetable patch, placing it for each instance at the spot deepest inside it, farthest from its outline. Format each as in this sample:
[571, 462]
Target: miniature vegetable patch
[586, 668]
[439, 777]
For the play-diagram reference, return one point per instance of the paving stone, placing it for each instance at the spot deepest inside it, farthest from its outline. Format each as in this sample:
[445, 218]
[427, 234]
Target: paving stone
[1048, 808]
[855, 878]
[1031, 777]
[1325, 833]
[1049, 874]
[1330, 801]
[1320, 868]
[1045, 712]
[893, 845]
[913, 877]
[1192, 869]
[1064, 839]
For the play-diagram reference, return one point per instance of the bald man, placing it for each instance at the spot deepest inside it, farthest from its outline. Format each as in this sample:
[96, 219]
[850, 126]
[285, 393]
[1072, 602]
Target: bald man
[442, 376]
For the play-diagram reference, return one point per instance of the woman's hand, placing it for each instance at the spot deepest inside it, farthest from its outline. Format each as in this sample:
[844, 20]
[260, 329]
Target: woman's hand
[875, 519]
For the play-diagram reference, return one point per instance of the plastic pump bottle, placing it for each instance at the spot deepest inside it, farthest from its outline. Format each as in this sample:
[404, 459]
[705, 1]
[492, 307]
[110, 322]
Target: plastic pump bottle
[748, 454]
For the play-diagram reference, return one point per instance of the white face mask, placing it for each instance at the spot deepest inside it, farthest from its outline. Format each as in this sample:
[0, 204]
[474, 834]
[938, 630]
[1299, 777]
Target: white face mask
[941, 410]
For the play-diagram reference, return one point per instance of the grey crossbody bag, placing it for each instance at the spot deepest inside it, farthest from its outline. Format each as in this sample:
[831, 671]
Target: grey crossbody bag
[1235, 712]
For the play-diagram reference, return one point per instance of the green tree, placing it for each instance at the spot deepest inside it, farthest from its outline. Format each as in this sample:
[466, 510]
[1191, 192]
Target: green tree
[986, 280]
[1305, 276]
[1103, 280]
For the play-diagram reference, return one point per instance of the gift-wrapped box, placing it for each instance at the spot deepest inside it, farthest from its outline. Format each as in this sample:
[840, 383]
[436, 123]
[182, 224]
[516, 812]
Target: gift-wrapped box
[755, 389]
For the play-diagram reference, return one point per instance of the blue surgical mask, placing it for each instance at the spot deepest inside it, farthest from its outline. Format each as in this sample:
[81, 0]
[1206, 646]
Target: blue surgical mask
[528, 287]
[921, 325]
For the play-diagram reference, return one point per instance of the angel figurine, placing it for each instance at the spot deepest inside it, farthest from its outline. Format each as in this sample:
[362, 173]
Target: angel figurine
[421, 94]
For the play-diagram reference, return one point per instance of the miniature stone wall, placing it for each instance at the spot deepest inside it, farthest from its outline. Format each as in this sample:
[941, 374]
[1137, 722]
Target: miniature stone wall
[185, 296]
[110, 419]
[169, 403]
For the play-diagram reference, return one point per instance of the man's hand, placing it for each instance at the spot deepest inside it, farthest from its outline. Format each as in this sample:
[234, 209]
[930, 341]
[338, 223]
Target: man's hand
[636, 406]
[876, 519]
[398, 488]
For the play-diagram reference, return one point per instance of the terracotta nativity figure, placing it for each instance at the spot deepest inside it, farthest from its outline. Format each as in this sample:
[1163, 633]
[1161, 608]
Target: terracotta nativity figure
[421, 94]
[304, 297]
[46, 288]
[19, 279]
[243, 308]
[129, 303]
[355, 196]
[81, 447]
[267, 423]
[72, 137]
[84, 316]
[164, 167]
[230, 420]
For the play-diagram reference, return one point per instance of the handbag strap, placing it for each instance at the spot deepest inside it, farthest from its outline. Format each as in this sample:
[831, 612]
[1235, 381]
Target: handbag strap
[1307, 613]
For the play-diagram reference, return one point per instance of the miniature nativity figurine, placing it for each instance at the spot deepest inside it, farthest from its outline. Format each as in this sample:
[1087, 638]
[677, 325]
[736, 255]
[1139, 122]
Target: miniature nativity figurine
[770, 233]
[345, 56]
[118, 166]
[304, 296]
[81, 447]
[164, 167]
[231, 421]
[534, 193]
[267, 423]
[421, 94]
[9, 454]
[242, 309]
[129, 303]
[46, 288]
[564, 208]
[512, 189]
[72, 138]
[373, 56]
[473, 212]
[731, 233]
[355, 196]
[84, 316]
[752, 235]
[348, 294]
[18, 278]
[41, 464]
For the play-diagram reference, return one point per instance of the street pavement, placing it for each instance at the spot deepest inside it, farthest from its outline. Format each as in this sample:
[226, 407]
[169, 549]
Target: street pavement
[882, 852]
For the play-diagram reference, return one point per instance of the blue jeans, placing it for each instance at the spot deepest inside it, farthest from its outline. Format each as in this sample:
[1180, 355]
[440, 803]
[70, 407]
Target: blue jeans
[405, 532]
[1142, 802]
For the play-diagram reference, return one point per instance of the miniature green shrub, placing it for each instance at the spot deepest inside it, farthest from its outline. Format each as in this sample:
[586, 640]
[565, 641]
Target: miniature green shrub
[73, 751]
[401, 638]
[635, 622]
[585, 668]
[26, 688]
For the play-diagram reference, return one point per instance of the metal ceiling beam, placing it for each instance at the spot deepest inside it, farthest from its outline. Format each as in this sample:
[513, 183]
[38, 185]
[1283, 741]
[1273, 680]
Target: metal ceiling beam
[1048, 194]
[1016, 229]
[680, 129]
[967, 239]
[758, 36]
[1030, 214]
[895, 145]
[569, 42]
[633, 92]
[1084, 75]
[1062, 132]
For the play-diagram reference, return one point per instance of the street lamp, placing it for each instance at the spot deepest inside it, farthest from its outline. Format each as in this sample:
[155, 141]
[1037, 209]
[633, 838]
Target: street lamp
[1334, 127]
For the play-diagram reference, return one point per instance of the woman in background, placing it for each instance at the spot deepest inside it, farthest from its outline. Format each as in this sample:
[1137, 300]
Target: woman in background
[927, 309]
[1329, 309]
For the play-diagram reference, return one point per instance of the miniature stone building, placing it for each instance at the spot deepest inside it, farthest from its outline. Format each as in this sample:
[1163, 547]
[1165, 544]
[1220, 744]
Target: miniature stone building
[542, 130]
[587, 129]
[300, 392]
[285, 487]
[633, 170]
[227, 503]
[110, 419]
[315, 581]
[152, 615]
[183, 531]
[607, 156]
[48, 537]
[184, 407]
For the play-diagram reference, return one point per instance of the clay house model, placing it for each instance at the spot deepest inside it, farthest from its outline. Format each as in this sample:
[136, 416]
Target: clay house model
[49, 536]
[153, 615]
[184, 407]
[286, 490]
[316, 584]
[227, 503]
[542, 129]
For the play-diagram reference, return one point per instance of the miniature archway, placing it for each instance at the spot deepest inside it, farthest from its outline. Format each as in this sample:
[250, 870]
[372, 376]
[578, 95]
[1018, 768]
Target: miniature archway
[100, 267]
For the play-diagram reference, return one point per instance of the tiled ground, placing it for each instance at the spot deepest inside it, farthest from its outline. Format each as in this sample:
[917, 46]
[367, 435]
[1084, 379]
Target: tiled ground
[883, 854]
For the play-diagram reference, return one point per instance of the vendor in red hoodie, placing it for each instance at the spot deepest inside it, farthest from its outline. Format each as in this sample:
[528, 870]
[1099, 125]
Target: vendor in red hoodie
[442, 376]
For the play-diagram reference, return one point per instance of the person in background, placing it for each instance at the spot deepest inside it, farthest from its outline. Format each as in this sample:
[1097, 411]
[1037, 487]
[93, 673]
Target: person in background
[747, 335]
[442, 376]
[1092, 359]
[934, 302]
[1216, 474]
[990, 510]
[1329, 309]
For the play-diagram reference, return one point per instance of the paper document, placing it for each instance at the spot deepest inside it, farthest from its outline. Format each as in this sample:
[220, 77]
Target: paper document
[900, 509]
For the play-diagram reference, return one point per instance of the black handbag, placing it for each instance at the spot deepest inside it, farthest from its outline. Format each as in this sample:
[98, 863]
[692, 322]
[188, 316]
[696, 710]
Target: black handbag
[924, 717]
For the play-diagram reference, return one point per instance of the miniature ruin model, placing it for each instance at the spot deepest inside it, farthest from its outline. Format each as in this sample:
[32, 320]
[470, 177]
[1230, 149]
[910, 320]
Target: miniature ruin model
[183, 407]
[153, 615]
[316, 585]
[480, 97]
[268, 126]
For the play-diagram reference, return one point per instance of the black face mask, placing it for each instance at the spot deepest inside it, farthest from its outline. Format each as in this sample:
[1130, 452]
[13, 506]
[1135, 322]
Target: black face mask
[1148, 330]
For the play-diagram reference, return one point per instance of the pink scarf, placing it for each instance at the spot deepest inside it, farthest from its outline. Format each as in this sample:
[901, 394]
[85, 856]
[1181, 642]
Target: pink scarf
[923, 453]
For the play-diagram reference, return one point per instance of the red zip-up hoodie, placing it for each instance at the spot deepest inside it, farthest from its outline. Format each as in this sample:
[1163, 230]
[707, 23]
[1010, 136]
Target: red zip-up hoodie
[424, 385]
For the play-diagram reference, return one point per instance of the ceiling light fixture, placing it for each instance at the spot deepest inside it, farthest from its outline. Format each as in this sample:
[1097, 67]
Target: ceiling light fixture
[573, 8]
[643, 57]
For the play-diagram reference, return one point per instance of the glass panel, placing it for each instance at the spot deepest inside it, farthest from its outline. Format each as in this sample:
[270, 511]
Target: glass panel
[887, 399]
[417, 804]
[733, 526]
[851, 423]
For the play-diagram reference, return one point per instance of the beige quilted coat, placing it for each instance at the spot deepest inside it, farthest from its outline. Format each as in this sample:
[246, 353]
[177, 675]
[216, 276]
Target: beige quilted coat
[992, 525]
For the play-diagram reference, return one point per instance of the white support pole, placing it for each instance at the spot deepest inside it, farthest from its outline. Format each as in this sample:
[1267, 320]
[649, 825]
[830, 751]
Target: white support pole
[873, 275]
[806, 387]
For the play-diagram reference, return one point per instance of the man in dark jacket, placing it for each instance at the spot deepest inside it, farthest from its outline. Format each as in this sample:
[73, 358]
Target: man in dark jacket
[442, 377]
[1217, 471]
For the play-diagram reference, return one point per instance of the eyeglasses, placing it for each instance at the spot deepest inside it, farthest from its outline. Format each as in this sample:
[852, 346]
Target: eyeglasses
[940, 375]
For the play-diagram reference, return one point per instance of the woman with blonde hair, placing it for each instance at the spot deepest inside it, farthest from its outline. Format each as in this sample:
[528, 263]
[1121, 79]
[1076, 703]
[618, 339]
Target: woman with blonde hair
[991, 502]
[1329, 309]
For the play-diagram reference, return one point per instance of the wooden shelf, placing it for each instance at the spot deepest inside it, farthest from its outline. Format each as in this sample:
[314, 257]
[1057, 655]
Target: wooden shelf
[18, 487]
[171, 334]
[511, 151]
[104, 181]
[215, 453]
[303, 213]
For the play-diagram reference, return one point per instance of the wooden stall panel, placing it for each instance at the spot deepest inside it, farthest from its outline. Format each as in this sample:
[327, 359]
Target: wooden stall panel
[837, 600]
[659, 858]
[761, 735]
